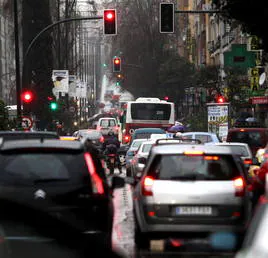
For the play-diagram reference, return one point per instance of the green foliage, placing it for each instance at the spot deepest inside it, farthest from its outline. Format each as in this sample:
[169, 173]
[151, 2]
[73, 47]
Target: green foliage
[198, 120]
[3, 116]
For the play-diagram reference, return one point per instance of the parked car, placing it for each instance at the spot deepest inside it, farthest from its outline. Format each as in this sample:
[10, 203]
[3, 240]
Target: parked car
[106, 124]
[60, 177]
[131, 153]
[190, 191]
[256, 138]
[204, 137]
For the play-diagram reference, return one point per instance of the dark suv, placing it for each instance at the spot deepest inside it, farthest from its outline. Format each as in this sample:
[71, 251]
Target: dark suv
[61, 178]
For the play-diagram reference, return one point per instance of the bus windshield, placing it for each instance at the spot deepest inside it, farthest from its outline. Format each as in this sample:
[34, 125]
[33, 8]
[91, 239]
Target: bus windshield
[150, 111]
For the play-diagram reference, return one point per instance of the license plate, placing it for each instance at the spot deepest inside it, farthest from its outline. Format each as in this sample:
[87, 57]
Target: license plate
[193, 210]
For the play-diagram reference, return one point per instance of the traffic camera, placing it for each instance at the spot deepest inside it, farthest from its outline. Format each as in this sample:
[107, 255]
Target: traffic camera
[166, 18]
[109, 21]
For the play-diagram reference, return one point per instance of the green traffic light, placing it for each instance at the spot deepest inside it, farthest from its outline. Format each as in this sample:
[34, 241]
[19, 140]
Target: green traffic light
[53, 105]
[117, 84]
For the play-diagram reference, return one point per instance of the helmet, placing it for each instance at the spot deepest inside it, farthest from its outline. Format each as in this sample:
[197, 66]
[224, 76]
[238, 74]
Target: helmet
[111, 133]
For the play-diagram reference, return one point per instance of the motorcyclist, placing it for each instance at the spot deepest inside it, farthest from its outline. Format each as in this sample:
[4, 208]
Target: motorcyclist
[111, 146]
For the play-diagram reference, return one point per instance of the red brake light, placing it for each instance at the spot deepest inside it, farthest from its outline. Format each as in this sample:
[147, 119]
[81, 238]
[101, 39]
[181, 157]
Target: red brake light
[127, 138]
[239, 185]
[211, 158]
[102, 139]
[248, 161]
[147, 186]
[97, 185]
[193, 153]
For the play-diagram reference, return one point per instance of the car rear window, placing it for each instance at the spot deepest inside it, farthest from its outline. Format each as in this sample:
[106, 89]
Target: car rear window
[239, 150]
[91, 135]
[252, 138]
[146, 147]
[25, 168]
[203, 138]
[184, 167]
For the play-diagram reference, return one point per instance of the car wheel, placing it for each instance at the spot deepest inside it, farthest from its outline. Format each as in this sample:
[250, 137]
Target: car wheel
[128, 172]
[141, 240]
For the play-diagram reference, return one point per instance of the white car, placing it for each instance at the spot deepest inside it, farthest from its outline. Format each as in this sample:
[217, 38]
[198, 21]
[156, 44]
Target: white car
[204, 137]
[106, 124]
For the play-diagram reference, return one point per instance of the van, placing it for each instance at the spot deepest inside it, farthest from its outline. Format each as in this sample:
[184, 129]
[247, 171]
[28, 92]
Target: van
[106, 124]
[145, 133]
[256, 138]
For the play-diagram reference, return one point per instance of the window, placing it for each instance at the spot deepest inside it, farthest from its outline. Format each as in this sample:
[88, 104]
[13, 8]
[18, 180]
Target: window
[150, 111]
[146, 147]
[107, 123]
[203, 138]
[252, 138]
[27, 168]
[180, 167]
[136, 144]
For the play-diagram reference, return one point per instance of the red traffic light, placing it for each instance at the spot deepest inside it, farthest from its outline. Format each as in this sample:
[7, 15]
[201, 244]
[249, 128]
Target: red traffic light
[109, 21]
[220, 99]
[27, 96]
[117, 60]
[166, 98]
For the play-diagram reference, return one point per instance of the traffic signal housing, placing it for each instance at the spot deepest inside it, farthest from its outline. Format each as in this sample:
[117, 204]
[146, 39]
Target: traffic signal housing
[27, 96]
[109, 22]
[166, 19]
[117, 64]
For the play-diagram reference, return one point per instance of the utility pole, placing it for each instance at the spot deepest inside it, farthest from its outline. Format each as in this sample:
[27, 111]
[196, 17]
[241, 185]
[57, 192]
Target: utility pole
[17, 60]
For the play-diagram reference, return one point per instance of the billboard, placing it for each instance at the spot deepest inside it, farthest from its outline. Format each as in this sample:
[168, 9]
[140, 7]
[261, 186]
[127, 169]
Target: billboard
[60, 80]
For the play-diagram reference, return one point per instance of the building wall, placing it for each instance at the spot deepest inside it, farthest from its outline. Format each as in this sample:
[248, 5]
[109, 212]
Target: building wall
[7, 54]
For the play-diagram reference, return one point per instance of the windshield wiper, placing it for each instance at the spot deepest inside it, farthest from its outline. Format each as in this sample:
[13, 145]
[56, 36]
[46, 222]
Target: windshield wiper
[48, 180]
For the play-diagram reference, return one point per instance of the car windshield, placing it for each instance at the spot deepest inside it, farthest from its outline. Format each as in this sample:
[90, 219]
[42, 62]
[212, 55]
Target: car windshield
[136, 144]
[107, 123]
[27, 168]
[180, 167]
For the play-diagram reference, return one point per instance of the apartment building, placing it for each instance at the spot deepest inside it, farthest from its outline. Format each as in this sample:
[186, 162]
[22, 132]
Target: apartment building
[7, 54]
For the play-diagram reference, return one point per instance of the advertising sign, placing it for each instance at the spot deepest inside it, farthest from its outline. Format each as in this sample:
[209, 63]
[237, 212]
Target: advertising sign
[218, 119]
[60, 80]
[72, 86]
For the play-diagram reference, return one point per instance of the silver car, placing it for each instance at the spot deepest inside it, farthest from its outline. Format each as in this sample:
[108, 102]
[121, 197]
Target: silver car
[190, 188]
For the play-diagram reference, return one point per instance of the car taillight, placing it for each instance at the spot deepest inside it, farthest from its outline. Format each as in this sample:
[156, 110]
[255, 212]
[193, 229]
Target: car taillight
[239, 185]
[147, 186]
[102, 139]
[97, 184]
[248, 161]
[127, 138]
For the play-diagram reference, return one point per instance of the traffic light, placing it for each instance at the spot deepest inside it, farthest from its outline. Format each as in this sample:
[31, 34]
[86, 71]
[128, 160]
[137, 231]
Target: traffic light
[53, 105]
[166, 21]
[117, 83]
[27, 96]
[221, 99]
[109, 22]
[117, 64]
[166, 98]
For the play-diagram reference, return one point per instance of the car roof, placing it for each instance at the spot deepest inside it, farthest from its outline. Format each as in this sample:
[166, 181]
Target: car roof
[231, 143]
[247, 129]
[152, 129]
[23, 133]
[204, 133]
[41, 144]
[181, 148]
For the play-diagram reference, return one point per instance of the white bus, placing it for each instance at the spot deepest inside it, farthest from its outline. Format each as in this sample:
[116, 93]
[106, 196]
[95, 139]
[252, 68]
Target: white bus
[147, 112]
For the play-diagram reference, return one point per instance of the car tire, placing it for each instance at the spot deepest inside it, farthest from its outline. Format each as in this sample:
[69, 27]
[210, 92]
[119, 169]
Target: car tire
[128, 172]
[141, 239]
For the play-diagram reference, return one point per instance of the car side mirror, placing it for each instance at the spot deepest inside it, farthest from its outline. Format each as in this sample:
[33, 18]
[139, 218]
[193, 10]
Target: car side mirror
[117, 182]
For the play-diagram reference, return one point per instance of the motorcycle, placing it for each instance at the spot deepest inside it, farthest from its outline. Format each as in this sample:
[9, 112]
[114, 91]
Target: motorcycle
[110, 162]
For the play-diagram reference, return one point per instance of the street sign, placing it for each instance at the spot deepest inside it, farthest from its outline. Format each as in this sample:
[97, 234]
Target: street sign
[72, 109]
[26, 122]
